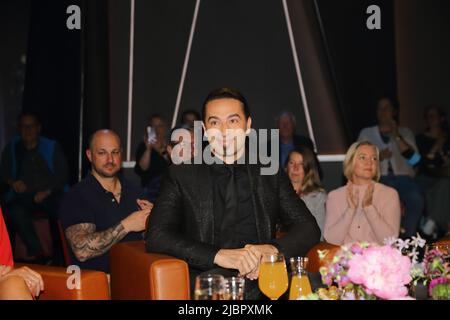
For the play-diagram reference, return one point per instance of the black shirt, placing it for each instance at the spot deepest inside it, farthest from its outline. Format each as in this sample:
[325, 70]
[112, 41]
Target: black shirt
[89, 202]
[234, 217]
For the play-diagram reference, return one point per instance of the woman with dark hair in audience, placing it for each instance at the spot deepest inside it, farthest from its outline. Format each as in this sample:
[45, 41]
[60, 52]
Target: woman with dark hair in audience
[302, 170]
[15, 284]
[434, 169]
[362, 210]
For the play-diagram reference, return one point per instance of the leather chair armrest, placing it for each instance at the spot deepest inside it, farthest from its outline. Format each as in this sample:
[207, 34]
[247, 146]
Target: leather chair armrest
[314, 261]
[445, 241]
[94, 284]
[138, 275]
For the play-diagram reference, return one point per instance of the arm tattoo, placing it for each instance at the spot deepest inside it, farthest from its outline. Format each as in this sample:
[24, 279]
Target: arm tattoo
[87, 244]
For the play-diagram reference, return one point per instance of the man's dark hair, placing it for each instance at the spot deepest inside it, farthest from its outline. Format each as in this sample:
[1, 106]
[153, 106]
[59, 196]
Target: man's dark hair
[394, 102]
[226, 93]
[188, 112]
[27, 114]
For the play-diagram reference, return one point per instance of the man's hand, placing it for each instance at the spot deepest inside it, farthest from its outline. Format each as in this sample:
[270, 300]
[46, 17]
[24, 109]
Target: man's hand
[32, 279]
[19, 186]
[243, 260]
[137, 221]
[40, 196]
[144, 204]
[259, 251]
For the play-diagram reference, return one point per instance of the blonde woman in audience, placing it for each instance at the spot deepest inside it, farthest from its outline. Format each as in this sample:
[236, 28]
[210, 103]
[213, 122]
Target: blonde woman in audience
[362, 210]
[304, 175]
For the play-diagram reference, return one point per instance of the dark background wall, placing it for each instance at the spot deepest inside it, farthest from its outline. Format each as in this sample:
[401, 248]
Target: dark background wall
[14, 25]
[52, 82]
[423, 57]
[362, 60]
[243, 44]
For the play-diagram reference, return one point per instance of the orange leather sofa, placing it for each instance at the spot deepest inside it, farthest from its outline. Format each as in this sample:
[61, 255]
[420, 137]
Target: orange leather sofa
[93, 285]
[138, 275]
[445, 241]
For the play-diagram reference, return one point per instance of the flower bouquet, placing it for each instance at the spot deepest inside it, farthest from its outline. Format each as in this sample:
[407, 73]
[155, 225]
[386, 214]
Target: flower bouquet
[366, 271]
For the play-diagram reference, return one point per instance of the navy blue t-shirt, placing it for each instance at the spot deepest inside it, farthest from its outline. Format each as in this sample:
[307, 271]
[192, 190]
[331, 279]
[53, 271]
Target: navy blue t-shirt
[89, 202]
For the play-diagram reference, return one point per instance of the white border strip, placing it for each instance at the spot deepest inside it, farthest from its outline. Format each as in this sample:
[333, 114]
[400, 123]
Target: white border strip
[299, 74]
[130, 80]
[322, 158]
[185, 64]
[331, 157]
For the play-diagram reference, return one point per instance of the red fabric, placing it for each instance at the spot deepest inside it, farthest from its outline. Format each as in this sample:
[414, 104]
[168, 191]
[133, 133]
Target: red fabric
[6, 257]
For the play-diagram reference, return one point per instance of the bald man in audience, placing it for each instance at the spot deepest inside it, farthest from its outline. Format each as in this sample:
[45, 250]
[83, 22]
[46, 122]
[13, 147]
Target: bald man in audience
[104, 208]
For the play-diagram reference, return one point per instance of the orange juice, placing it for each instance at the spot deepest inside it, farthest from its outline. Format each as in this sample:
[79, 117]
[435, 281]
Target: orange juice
[273, 279]
[300, 286]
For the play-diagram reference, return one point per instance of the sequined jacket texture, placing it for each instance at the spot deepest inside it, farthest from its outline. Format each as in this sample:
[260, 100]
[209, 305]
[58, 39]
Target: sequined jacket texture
[182, 221]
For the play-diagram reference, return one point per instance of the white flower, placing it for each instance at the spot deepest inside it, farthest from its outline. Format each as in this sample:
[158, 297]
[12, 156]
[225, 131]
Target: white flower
[417, 241]
[403, 244]
[389, 241]
[414, 255]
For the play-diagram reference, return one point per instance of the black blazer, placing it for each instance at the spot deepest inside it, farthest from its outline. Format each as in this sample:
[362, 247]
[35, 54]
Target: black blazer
[182, 221]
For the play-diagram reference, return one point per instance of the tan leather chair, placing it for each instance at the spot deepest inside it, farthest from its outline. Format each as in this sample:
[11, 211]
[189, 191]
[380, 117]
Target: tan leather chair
[445, 241]
[314, 261]
[138, 275]
[94, 284]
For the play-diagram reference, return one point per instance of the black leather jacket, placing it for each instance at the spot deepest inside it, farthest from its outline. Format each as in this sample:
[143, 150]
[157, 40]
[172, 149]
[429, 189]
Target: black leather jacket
[182, 221]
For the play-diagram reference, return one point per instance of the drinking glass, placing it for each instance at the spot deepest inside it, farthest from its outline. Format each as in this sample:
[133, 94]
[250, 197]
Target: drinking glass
[273, 278]
[209, 287]
[234, 288]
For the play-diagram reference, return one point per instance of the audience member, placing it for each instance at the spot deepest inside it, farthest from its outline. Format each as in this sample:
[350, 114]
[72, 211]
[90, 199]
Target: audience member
[36, 170]
[363, 210]
[398, 156]
[289, 141]
[151, 155]
[302, 171]
[189, 117]
[434, 170]
[104, 208]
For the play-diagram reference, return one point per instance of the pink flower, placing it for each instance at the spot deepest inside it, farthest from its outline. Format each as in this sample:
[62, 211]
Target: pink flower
[437, 281]
[382, 271]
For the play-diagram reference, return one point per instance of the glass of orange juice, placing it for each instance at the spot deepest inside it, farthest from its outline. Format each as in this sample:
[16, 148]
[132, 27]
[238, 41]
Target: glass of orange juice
[300, 285]
[273, 278]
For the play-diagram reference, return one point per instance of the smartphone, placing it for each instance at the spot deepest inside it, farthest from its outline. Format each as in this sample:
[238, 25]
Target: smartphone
[151, 135]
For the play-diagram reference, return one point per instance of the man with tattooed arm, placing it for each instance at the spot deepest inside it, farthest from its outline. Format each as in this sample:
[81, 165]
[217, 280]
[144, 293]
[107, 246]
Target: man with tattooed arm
[104, 208]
